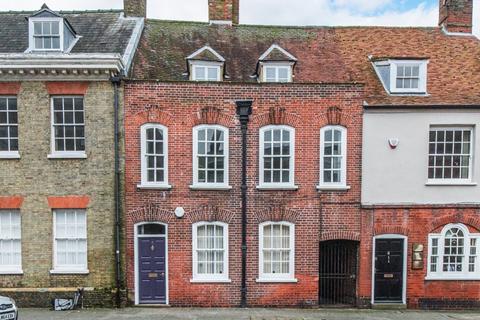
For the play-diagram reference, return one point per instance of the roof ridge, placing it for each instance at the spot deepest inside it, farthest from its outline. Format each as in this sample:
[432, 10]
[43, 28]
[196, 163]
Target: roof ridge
[292, 26]
[65, 11]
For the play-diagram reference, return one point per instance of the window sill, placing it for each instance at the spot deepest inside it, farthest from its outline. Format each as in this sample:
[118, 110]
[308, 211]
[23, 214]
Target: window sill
[451, 183]
[211, 187]
[67, 155]
[277, 187]
[154, 186]
[279, 280]
[210, 280]
[452, 278]
[11, 272]
[332, 188]
[9, 155]
[69, 271]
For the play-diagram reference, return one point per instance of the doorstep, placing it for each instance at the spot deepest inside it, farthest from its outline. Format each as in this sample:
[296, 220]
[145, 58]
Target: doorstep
[389, 306]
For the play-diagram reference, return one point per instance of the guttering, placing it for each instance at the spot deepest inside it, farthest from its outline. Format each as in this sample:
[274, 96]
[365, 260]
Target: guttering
[116, 81]
[422, 106]
[244, 110]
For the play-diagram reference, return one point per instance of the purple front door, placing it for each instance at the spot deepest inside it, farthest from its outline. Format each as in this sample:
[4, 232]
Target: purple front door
[151, 268]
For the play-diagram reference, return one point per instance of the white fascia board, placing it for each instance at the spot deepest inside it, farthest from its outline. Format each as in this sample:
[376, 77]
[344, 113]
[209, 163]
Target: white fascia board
[275, 46]
[215, 53]
[133, 42]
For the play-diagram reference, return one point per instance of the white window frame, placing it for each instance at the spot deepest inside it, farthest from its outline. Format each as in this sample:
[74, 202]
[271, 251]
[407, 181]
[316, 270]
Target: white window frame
[54, 154]
[343, 181]
[275, 185]
[14, 268]
[453, 275]
[196, 277]
[210, 185]
[278, 277]
[69, 269]
[31, 31]
[207, 65]
[11, 154]
[422, 82]
[143, 160]
[276, 66]
[459, 181]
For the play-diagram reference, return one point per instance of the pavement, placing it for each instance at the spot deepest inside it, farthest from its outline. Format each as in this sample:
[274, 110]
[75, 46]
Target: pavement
[242, 314]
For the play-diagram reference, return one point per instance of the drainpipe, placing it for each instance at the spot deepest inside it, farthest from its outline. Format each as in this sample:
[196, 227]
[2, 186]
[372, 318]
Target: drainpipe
[116, 81]
[244, 110]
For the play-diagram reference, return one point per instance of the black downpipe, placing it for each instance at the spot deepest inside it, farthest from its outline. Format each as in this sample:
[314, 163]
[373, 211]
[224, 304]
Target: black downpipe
[244, 110]
[116, 80]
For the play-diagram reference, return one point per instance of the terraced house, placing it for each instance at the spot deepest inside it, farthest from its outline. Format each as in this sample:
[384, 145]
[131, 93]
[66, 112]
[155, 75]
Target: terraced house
[60, 92]
[244, 182]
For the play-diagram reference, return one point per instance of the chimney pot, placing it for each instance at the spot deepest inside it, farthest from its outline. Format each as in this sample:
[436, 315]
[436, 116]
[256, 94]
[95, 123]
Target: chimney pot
[135, 8]
[223, 11]
[456, 15]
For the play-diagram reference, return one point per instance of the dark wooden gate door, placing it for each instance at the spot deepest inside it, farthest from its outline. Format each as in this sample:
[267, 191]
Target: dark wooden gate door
[389, 270]
[338, 272]
[151, 266]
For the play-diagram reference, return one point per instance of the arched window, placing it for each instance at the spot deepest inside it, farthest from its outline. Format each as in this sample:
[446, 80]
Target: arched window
[210, 156]
[454, 254]
[154, 156]
[277, 252]
[210, 252]
[333, 157]
[277, 151]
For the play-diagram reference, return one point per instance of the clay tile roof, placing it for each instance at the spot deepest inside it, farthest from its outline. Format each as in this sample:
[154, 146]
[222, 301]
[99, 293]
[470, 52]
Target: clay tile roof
[453, 70]
[324, 55]
[166, 44]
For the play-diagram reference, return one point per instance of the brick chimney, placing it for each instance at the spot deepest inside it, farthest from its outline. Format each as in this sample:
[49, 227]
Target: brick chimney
[135, 8]
[456, 15]
[223, 11]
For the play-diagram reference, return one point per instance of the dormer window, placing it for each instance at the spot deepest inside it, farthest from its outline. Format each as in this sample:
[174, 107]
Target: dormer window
[205, 64]
[204, 71]
[275, 72]
[403, 76]
[46, 35]
[276, 65]
[49, 31]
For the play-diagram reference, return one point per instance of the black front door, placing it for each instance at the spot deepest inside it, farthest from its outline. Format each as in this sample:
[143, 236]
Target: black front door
[151, 266]
[338, 272]
[389, 270]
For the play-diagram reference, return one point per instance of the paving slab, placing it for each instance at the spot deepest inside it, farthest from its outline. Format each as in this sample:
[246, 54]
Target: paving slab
[242, 314]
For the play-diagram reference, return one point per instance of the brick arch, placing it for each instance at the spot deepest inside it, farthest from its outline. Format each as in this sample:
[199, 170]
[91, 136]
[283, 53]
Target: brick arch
[211, 115]
[276, 214]
[150, 213]
[334, 116]
[340, 235]
[379, 230]
[150, 115]
[276, 115]
[458, 218]
[210, 214]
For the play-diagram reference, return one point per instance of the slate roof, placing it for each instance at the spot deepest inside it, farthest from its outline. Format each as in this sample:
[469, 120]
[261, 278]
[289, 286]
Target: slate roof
[100, 31]
[325, 55]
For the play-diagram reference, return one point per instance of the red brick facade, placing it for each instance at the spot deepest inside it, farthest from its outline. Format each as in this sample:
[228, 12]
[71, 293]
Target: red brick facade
[416, 223]
[316, 215]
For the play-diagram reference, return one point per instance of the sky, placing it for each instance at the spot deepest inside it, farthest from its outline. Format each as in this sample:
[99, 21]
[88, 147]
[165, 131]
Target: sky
[274, 12]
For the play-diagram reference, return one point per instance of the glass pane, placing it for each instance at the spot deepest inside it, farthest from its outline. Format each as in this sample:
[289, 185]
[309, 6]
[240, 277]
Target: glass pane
[151, 228]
